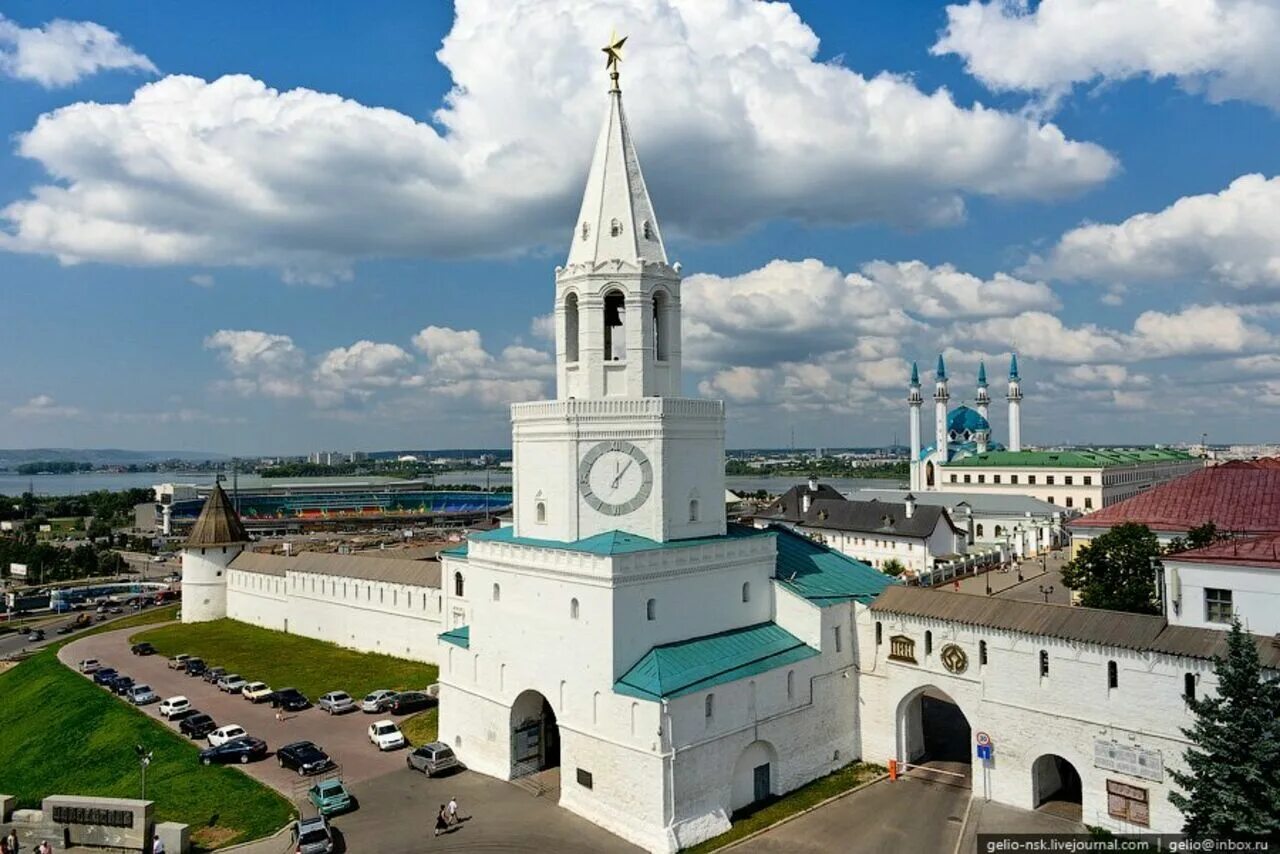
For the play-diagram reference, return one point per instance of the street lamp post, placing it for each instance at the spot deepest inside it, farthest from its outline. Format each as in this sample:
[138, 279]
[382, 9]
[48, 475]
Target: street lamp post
[144, 759]
[1046, 592]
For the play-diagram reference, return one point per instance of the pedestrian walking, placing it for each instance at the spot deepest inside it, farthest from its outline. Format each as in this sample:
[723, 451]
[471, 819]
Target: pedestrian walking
[279, 714]
[453, 810]
[4, 845]
[157, 846]
[44, 847]
[13, 842]
[442, 822]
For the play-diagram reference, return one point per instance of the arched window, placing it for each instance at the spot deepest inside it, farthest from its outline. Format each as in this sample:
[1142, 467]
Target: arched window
[615, 228]
[998, 531]
[497, 593]
[928, 643]
[982, 653]
[1189, 687]
[693, 509]
[615, 314]
[979, 531]
[651, 610]
[746, 591]
[457, 584]
[571, 328]
[586, 230]
[573, 609]
[879, 633]
[661, 305]
[791, 684]
[1113, 675]
[647, 230]
[540, 511]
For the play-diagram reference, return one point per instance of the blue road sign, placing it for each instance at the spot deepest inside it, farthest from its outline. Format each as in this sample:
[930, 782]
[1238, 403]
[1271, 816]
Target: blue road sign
[984, 751]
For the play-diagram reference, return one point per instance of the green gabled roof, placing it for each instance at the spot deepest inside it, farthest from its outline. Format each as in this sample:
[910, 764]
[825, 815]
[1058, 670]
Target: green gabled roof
[459, 550]
[1070, 459]
[823, 575]
[460, 636]
[613, 542]
[684, 667]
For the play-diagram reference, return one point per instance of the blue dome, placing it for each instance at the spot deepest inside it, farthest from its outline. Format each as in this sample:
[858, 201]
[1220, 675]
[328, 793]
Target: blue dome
[962, 420]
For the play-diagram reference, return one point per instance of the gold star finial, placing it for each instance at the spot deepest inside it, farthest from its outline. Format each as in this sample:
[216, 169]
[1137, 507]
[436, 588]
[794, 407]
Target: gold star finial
[613, 56]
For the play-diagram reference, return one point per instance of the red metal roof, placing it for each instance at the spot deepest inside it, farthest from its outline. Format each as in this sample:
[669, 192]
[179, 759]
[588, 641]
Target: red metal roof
[1241, 499]
[1254, 551]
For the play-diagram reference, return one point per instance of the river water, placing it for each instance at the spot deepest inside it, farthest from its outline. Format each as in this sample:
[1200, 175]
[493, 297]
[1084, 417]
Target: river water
[74, 484]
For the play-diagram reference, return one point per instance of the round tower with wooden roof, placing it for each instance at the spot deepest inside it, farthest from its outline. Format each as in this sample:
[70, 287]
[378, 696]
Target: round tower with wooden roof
[215, 540]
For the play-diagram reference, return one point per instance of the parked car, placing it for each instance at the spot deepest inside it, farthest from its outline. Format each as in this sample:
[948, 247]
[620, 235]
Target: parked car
[213, 674]
[376, 701]
[89, 665]
[305, 757]
[313, 836]
[143, 648]
[194, 666]
[289, 699]
[411, 701]
[256, 692]
[35, 635]
[103, 675]
[116, 609]
[223, 734]
[121, 685]
[140, 695]
[197, 725]
[432, 759]
[178, 661]
[175, 707]
[243, 750]
[329, 797]
[385, 735]
[232, 683]
[337, 702]
[66, 629]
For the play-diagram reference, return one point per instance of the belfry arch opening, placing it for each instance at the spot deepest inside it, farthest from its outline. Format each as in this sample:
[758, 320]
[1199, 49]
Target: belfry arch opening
[571, 328]
[928, 474]
[934, 737]
[535, 735]
[661, 331]
[615, 336]
[1056, 787]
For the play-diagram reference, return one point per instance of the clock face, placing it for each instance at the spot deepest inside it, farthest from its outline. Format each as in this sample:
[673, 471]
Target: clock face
[615, 477]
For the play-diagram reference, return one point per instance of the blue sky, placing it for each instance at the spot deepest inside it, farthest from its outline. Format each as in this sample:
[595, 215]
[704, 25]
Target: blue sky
[253, 263]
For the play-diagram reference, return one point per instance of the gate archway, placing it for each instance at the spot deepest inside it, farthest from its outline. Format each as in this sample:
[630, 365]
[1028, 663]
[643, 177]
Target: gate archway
[934, 735]
[535, 735]
[1056, 787]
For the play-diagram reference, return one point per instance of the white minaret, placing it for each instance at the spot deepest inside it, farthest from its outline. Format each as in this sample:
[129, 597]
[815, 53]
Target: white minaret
[983, 399]
[618, 449]
[940, 398]
[1015, 406]
[914, 401]
[217, 537]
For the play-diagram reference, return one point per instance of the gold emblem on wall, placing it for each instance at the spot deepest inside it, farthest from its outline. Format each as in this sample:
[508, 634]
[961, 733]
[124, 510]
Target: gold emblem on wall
[902, 648]
[954, 658]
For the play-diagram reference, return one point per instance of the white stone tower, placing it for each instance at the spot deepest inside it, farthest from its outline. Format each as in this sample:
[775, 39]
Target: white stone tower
[618, 449]
[983, 399]
[915, 401]
[1015, 405]
[940, 397]
[218, 536]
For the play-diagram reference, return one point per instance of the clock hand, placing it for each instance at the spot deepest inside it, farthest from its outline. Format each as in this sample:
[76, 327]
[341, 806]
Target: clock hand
[617, 479]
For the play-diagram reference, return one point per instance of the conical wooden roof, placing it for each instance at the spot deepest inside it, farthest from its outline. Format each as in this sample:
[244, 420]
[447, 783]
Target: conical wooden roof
[218, 524]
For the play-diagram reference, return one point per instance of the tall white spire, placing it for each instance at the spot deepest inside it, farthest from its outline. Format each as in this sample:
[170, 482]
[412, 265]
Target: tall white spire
[616, 222]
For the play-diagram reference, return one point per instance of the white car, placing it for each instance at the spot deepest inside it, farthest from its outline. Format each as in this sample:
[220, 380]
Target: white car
[386, 735]
[255, 692]
[222, 735]
[174, 706]
[377, 701]
[90, 665]
[178, 661]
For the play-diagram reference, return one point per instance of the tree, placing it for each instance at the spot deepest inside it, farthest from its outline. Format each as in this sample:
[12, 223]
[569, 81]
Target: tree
[1205, 535]
[1232, 785]
[893, 567]
[1115, 570]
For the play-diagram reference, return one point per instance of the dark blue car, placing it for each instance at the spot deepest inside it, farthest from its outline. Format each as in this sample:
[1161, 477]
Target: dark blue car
[243, 750]
[105, 675]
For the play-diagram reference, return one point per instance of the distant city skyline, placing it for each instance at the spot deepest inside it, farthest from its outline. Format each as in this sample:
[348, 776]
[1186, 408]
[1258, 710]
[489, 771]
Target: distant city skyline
[343, 236]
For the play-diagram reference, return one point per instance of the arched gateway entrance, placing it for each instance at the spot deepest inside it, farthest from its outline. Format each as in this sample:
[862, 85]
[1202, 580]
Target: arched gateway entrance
[1056, 786]
[535, 735]
[934, 736]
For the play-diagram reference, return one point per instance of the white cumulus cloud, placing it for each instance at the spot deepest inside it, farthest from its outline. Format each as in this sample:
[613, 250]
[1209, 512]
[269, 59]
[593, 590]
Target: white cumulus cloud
[736, 121]
[44, 406]
[60, 53]
[1224, 48]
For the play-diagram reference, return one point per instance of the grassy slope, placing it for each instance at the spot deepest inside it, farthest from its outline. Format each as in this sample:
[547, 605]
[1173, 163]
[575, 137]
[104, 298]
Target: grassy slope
[422, 728]
[846, 778]
[64, 735]
[283, 660]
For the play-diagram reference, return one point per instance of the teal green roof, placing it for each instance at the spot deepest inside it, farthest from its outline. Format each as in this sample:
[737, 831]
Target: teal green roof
[1071, 459]
[823, 575]
[459, 550]
[613, 542]
[460, 636]
[685, 667]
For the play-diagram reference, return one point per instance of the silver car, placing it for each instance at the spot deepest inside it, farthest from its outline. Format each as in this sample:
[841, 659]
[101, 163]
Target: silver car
[140, 695]
[377, 701]
[337, 702]
[314, 836]
[232, 683]
[432, 759]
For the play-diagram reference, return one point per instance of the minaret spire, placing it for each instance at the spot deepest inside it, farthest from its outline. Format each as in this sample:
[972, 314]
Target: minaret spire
[1015, 405]
[940, 397]
[915, 401]
[983, 399]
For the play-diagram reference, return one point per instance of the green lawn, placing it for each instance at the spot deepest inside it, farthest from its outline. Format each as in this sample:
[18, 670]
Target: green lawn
[848, 777]
[64, 735]
[422, 728]
[283, 660]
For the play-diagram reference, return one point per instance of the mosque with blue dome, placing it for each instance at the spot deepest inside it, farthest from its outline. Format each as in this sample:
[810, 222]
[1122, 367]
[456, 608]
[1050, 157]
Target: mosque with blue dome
[961, 432]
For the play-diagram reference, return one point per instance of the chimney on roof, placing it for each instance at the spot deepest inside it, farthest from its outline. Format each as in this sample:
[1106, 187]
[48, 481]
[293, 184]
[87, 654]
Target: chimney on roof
[910, 503]
[813, 483]
[806, 500]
